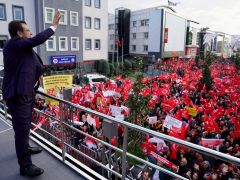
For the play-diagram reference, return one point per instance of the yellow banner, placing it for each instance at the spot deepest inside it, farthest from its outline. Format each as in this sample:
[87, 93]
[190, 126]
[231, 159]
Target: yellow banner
[192, 111]
[53, 84]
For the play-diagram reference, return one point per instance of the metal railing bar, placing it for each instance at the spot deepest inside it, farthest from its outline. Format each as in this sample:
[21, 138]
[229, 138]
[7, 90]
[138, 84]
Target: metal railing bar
[128, 154]
[46, 131]
[99, 140]
[83, 166]
[49, 116]
[198, 148]
[57, 155]
[95, 161]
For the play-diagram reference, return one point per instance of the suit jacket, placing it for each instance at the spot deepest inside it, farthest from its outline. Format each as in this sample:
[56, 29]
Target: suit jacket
[22, 66]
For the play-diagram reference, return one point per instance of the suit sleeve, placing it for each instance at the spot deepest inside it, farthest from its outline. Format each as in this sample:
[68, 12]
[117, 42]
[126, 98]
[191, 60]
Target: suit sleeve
[24, 43]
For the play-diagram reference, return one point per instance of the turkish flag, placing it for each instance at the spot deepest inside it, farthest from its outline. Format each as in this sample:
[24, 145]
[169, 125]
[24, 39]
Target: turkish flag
[119, 42]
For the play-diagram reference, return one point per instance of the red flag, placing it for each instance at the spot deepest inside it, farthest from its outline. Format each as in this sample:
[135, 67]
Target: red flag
[119, 42]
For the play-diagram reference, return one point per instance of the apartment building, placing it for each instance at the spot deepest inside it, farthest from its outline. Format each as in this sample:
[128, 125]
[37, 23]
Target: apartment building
[95, 29]
[80, 37]
[63, 48]
[153, 33]
[138, 31]
[15, 10]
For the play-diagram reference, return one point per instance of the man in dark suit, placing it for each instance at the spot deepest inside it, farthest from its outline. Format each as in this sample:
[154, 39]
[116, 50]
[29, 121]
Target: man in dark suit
[22, 70]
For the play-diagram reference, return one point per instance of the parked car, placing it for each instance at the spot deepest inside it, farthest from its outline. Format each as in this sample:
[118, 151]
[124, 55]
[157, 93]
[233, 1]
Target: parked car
[92, 79]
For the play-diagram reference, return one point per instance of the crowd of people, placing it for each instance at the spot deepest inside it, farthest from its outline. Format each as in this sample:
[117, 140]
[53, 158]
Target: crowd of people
[209, 118]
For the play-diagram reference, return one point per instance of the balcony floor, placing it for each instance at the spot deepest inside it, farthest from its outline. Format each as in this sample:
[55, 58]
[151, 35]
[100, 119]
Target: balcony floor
[9, 168]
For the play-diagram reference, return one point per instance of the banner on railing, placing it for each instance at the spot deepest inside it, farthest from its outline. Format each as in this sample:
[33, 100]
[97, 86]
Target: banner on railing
[55, 84]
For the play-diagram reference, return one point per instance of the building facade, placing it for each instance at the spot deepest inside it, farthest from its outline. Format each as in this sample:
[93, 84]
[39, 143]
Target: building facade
[80, 37]
[147, 36]
[15, 10]
[64, 47]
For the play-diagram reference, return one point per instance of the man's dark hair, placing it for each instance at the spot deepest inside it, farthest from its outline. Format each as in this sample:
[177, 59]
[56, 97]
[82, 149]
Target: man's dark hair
[14, 27]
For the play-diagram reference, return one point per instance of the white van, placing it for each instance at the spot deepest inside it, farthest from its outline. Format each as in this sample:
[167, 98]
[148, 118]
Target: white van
[96, 78]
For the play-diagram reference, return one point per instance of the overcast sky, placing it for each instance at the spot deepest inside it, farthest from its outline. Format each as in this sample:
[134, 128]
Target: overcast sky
[219, 15]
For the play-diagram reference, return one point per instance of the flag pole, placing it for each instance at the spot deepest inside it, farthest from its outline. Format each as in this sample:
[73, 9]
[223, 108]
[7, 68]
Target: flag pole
[117, 53]
[122, 53]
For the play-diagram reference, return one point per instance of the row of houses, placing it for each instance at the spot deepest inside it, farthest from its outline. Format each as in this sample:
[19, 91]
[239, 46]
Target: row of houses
[87, 32]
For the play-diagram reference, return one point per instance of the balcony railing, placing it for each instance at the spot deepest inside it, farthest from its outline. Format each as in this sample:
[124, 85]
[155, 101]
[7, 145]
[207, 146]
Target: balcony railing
[60, 137]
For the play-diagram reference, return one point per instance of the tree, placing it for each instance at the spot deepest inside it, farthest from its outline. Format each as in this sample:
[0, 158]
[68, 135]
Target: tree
[112, 69]
[127, 65]
[208, 59]
[138, 103]
[206, 77]
[139, 110]
[197, 60]
[237, 61]
[103, 67]
[138, 64]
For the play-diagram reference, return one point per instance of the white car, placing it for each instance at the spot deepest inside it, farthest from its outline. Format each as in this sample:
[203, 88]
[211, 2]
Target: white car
[96, 78]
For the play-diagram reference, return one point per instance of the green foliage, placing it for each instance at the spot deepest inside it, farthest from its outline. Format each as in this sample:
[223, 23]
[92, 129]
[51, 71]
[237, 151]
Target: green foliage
[138, 64]
[208, 59]
[106, 69]
[206, 77]
[99, 66]
[112, 69]
[103, 67]
[197, 60]
[232, 58]
[138, 103]
[137, 151]
[237, 61]
[117, 71]
[127, 65]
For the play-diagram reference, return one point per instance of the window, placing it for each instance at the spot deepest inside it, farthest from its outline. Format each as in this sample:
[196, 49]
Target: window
[88, 22]
[18, 13]
[111, 46]
[97, 44]
[63, 43]
[88, 44]
[3, 12]
[63, 19]
[3, 39]
[145, 48]
[133, 47]
[51, 44]
[75, 43]
[134, 23]
[87, 2]
[73, 18]
[49, 13]
[134, 35]
[97, 23]
[111, 26]
[145, 22]
[146, 35]
[97, 3]
[111, 36]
